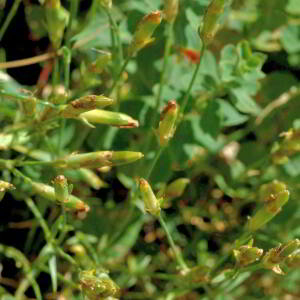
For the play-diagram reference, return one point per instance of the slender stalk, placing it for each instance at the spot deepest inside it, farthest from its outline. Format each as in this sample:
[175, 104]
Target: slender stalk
[178, 256]
[188, 91]
[73, 13]
[40, 219]
[9, 17]
[118, 77]
[115, 32]
[161, 86]
[163, 72]
[27, 61]
[156, 158]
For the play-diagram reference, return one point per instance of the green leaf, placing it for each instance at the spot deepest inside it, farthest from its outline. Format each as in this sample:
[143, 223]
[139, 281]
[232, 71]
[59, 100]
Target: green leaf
[293, 7]
[211, 121]
[243, 102]
[53, 272]
[205, 139]
[228, 62]
[290, 38]
[229, 115]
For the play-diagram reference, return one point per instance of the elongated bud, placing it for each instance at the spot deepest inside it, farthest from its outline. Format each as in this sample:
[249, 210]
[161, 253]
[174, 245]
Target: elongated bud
[100, 63]
[98, 159]
[97, 285]
[57, 18]
[100, 116]
[151, 203]
[275, 195]
[211, 20]
[83, 104]
[247, 254]
[4, 186]
[143, 33]
[277, 255]
[176, 188]
[61, 190]
[106, 3]
[92, 179]
[289, 146]
[293, 260]
[167, 125]
[171, 10]
[72, 204]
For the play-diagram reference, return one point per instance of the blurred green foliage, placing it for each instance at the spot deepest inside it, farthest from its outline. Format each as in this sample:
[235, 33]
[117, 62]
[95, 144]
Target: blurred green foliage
[225, 182]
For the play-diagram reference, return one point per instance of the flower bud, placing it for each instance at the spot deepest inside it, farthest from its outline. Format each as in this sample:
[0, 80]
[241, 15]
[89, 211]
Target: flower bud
[100, 63]
[61, 190]
[176, 188]
[83, 104]
[4, 186]
[98, 159]
[289, 146]
[57, 18]
[72, 204]
[275, 195]
[171, 10]
[167, 125]
[277, 255]
[100, 116]
[246, 255]
[97, 285]
[144, 31]
[151, 203]
[106, 3]
[211, 20]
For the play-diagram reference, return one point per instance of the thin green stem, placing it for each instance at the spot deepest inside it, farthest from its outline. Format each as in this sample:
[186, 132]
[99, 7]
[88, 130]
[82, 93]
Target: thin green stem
[156, 158]
[73, 13]
[163, 72]
[9, 17]
[178, 256]
[118, 77]
[40, 219]
[188, 91]
[155, 115]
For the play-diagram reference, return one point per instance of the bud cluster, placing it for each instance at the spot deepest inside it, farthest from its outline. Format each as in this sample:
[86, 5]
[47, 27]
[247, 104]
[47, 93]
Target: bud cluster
[274, 195]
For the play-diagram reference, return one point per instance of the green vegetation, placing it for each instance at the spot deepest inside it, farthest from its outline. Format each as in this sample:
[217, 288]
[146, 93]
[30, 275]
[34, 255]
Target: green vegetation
[157, 155]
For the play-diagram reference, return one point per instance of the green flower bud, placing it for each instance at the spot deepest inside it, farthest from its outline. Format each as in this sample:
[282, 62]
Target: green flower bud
[4, 186]
[101, 62]
[275, 195]
[167, 125]
[171, 10]
[211, 20]
[277, 255]
[106, 3]
[72, 204]
[144, 31]
[61, 189]
[98, 159]
[57, 19]
[99, 116]
[289, 146]
[151, 203]
[176, 188]
[83, 104]
[97, 285]
[246, 255]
